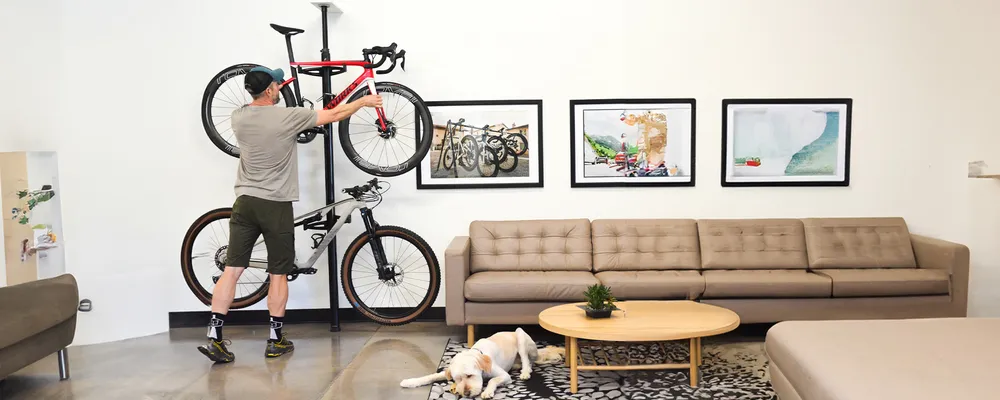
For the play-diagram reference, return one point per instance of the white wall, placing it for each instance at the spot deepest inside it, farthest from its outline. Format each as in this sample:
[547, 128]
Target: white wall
[126, 125]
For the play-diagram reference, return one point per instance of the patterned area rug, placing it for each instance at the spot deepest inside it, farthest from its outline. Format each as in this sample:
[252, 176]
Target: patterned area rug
[736, 371]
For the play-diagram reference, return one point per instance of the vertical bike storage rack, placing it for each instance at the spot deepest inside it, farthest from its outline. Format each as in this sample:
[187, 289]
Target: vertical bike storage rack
[331, 191]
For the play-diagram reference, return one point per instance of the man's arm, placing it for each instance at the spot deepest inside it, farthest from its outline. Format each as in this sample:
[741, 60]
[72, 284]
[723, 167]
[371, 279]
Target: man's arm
[345, 110]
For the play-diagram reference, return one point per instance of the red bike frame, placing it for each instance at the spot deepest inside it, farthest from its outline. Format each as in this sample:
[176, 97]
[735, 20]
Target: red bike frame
[367, 75]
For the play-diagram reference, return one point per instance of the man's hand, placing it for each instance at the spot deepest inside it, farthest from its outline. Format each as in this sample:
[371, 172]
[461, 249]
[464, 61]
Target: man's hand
[372, 100]
[345, 110]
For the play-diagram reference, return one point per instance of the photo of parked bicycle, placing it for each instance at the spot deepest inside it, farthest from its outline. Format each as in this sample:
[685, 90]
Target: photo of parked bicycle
[483, 144]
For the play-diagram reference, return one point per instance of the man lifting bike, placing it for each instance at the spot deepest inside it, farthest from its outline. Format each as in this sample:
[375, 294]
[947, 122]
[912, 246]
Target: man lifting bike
[266, 185]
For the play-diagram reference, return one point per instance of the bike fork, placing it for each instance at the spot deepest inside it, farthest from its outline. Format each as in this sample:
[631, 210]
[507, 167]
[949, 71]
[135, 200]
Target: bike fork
[370, 227]
[379, 110]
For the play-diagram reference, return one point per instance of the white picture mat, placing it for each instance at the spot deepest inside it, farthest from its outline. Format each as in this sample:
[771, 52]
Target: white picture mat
[679, 126]
[785, 110]
[479, 115]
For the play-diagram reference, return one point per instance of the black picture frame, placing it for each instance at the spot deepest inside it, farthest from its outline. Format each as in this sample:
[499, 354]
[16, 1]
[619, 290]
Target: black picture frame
[618, 182]
[534, 151]
[846, 120]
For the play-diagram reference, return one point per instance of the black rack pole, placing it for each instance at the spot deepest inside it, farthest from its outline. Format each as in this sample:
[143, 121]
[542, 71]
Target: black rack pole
[331, 190]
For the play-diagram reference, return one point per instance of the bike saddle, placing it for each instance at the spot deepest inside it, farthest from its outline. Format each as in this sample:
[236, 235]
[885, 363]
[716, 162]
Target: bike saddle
[284, 30]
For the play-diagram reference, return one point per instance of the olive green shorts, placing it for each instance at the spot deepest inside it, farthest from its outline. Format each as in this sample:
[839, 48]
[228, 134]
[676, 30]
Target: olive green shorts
[253, 217]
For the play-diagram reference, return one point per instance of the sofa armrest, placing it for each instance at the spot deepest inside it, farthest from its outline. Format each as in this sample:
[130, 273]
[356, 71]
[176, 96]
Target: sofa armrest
[32, 307]
[456, 271]
[953, 257]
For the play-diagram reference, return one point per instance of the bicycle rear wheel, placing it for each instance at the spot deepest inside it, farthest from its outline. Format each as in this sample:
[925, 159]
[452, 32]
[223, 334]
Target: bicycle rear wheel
[400, 296]
[399, 148]
[224, 94]
[203, 258]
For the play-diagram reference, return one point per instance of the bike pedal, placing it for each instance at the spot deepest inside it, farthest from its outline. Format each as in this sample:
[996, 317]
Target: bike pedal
[306, 271]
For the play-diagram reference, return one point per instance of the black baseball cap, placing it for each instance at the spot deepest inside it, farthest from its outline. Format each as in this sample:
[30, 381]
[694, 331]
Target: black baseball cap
[259, 78]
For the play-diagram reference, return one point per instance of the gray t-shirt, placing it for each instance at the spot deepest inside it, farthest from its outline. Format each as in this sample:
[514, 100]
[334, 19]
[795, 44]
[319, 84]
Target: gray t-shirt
[269, 162]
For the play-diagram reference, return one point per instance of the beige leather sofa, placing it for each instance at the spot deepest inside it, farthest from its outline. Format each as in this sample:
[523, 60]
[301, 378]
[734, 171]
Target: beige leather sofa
[911, 359]
[37, 318]
[766, 270]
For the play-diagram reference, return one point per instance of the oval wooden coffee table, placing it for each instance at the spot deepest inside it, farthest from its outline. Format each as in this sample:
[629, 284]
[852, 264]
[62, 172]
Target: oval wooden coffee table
[638, 321]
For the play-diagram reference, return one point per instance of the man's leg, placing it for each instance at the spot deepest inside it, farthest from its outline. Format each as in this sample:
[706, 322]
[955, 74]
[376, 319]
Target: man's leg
[222, 298]
[243, 233]
[279, 237]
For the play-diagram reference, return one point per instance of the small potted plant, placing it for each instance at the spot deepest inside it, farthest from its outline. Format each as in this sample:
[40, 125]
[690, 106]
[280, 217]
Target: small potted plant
[600, 301]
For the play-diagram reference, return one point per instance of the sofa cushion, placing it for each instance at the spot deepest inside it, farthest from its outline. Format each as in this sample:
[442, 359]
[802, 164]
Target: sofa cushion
[535, 245]
[645, 244]
[765, 284]
[30, 308]
[891, 359]
[887, 282]
[858, 243]
[752, 244]
[653, 285]
[495, 286]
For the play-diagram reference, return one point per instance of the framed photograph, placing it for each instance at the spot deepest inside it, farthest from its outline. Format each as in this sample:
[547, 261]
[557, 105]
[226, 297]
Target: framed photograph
[786, 142]
[484, 144]
[632, 142]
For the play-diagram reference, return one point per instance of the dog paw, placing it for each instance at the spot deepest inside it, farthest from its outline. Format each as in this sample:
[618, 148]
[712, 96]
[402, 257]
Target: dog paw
[487, 394]
[525, 374]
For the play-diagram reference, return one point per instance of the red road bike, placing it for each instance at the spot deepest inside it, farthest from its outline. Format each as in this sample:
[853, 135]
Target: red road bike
[389, 142]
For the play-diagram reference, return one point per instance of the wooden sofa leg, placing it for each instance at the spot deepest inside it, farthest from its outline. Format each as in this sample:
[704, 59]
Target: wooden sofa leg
[63, 357]
[472, 335]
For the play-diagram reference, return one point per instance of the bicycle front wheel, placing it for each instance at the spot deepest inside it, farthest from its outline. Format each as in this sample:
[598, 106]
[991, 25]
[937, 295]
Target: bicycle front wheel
[396, 149]
[203, 258]
[408, 284]
[223, 95]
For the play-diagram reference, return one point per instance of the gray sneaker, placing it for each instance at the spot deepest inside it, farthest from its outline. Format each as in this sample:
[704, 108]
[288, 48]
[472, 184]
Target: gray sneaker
[279, 348]
[216, 351]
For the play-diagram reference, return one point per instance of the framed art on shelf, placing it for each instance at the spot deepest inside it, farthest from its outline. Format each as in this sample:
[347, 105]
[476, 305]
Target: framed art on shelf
[632, 142]
[786, 142]
[484, 144]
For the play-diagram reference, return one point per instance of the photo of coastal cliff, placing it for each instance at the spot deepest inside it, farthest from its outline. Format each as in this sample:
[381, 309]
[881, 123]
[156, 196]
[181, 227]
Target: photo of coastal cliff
[790, 142]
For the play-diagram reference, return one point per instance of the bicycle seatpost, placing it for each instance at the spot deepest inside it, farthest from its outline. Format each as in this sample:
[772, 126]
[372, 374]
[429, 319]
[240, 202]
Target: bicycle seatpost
[295, 74]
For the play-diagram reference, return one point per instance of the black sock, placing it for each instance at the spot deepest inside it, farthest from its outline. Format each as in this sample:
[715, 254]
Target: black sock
[215, 326]
[276, 323]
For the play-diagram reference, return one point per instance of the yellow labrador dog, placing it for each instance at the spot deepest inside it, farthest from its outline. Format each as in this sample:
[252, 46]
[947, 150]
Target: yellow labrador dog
[490, 358]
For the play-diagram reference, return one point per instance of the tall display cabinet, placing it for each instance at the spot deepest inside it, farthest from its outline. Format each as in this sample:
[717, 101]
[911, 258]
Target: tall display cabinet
[32, 217]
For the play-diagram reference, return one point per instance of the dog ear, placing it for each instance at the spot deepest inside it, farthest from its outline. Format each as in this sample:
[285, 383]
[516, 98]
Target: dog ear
[447, 374]
[484, 362]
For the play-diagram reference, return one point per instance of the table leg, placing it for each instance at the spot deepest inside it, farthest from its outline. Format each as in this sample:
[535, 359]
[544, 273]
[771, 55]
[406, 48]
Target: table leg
[694, 362]
[700, 356]
[572, 364]
[567, 349]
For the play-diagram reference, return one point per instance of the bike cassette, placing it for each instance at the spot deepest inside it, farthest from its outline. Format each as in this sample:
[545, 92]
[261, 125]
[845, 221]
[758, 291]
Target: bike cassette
[304, 271]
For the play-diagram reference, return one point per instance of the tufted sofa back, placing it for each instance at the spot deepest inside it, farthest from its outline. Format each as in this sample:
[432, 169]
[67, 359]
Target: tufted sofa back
[645, 244]
[535, 245]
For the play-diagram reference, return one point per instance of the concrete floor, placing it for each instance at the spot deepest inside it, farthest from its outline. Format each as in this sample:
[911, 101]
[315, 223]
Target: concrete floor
[363, 361]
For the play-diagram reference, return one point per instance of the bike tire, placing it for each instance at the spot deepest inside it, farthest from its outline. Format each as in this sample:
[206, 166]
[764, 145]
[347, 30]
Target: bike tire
[448, 158]
[507, 160]
[470, 148]
[347, 281]
[187, 269]
[233, 97]
[522, 146]
[423, 132]
[489, 162]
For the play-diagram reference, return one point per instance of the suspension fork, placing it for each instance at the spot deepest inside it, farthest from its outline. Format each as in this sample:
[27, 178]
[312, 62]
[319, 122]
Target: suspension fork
[370, 227]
